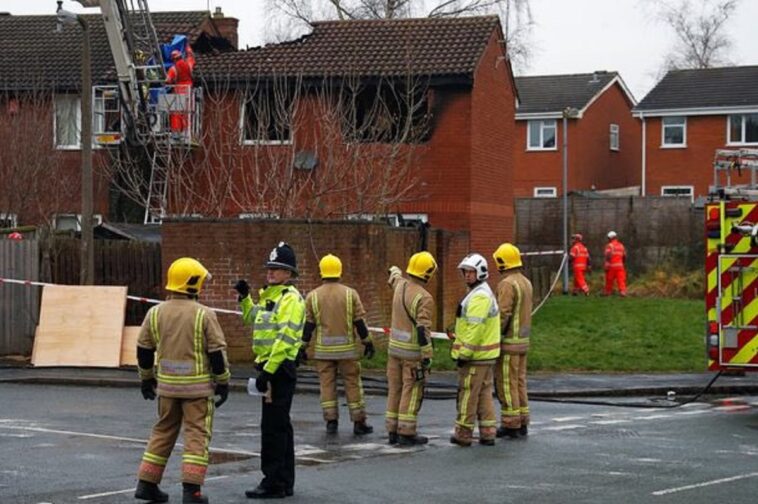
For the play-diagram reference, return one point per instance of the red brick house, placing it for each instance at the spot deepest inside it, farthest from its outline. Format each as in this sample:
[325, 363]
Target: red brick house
[686, 117]
[603, 137]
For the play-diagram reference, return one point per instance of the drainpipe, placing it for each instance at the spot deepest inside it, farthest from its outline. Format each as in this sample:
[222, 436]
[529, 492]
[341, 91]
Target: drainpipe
[644, 154]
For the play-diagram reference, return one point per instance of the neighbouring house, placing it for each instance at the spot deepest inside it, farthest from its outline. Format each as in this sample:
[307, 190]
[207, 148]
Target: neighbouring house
[686, 117]
[603, 137]
[40, 110]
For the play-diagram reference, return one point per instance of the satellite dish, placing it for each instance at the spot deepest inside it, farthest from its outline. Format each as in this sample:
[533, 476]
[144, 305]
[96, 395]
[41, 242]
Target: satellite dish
[306, 160]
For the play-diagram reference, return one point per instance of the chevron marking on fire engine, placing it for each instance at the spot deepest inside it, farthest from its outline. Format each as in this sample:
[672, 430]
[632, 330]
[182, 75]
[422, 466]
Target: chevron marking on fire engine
[747, 353]
[749, 296]
[742, 247]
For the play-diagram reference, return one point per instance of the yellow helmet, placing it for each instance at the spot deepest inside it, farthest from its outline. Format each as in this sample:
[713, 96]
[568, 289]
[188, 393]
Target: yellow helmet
[330, 266]
[507, 256]
[186, 275]
[422, 265]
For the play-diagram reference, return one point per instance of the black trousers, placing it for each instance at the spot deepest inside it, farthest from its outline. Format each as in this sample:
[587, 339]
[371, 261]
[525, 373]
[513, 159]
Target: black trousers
[277, 438]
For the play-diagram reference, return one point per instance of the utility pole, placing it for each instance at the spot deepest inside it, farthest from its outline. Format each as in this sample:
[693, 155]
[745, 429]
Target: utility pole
[567, 112]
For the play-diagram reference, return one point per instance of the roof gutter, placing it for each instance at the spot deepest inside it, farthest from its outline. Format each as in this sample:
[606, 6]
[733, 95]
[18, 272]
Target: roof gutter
[695, 111]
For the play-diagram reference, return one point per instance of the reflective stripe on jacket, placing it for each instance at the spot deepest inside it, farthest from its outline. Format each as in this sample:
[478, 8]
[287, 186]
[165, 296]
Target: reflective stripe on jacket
[334, 308]
[514, 296]
[580, 255]
[278, 319]
[477, 329]
[182, 332]
[615, 255]
[410, 297]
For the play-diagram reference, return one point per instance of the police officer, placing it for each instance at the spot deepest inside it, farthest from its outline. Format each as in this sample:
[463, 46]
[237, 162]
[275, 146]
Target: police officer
[191, 368]
[476, 347]
[334, 312]
[277, 320]
[410, 348]
[514, 296]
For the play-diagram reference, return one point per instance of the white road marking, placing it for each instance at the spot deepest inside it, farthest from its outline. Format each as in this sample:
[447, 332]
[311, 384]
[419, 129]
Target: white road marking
[653, 417]
[568, 419]
[694, 412]
[128, 490]
[705, 484]
[732, 408]
[610, 422]
[650, 460]
[563, 427]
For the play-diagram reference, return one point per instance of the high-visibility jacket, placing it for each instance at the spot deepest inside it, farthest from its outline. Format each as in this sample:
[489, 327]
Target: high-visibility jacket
[580, 255]
[615, 255]
[278, 319]
[514, 296]
[477, 327]
[334, 308]
[412, 307]
[182, 332]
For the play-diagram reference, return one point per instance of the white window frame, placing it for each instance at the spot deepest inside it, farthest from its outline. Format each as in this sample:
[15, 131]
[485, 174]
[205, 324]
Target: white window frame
[9, 218]
[78, 144]
[96, 218]
[544, 123]
[615, 134]
[682, 145]
[545, 192]
[690, 188]
[258, 215]
[729, 140]
[247, 141]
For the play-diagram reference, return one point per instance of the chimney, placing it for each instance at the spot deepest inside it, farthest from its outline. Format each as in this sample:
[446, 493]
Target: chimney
[226, 26]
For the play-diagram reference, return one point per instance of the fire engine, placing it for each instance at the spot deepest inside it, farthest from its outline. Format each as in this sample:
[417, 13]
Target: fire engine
[731, 262]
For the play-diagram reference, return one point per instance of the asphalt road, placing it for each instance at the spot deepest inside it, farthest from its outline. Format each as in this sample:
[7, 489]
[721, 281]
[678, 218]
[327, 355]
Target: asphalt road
[83, 444]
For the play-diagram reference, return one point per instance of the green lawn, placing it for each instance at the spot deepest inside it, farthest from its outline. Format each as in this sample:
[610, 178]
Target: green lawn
[607, 334]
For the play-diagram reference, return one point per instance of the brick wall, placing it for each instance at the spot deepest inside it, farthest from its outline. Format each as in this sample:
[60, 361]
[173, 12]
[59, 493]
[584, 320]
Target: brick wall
[235, 249]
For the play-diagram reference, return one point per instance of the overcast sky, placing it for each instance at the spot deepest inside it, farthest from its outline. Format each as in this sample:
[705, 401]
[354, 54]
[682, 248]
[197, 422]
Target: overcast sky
[570, 36]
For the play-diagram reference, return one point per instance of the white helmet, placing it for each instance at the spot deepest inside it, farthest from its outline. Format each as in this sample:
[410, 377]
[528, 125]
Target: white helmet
[611, 235]
[477, 263]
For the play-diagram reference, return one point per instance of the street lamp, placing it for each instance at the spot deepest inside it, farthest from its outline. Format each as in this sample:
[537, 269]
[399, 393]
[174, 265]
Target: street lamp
[87, 261]
[572, 113]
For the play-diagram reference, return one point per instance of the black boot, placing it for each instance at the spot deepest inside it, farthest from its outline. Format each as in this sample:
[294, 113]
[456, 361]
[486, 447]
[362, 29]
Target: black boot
[393, 438]
[191, 494]
[487, 442]
[506, 432]
[150, 492]
[412, 440]
[523, 431]
[361, 428]
[331, 427]
[261, 492]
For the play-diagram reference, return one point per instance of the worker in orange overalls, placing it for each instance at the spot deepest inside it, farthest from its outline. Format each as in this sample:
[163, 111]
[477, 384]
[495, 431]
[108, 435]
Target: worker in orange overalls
[580, 263]
[180, 75]
[615, 257]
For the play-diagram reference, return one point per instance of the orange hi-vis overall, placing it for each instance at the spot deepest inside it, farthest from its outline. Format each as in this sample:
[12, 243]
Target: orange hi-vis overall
[615, 255]
[580, 258]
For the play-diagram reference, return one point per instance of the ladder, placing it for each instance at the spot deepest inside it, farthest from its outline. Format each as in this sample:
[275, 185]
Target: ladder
[157, 192]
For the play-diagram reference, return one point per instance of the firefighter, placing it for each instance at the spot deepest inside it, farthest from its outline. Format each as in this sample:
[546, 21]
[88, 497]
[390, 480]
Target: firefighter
[335, 313]
[580, 263]
[191, 368]
[475, 350]
[615, 270]
[410, 347]
[180, 76]
[514, 296]
[277, 320]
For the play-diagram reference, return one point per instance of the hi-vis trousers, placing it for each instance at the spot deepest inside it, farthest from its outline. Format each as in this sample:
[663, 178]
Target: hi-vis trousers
[196, 415]
[404, 396]
[475, 402]
[510, 380]
[350, 369]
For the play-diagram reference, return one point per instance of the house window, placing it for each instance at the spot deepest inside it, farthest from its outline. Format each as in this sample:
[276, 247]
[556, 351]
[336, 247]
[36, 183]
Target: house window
[67, 121]
[679, 192]
[267, 117]
[8, 220]
[545, 192]
[743, 129]
[541, 135]
[388, 113]
[614, 137]
[674, 131]
[73, 222]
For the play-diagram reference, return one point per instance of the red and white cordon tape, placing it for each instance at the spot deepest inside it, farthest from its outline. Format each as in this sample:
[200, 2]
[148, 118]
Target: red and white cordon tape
[383, 330]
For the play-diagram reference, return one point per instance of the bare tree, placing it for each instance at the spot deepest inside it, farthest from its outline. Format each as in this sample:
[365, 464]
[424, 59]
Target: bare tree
[700, 30]
[290, 18]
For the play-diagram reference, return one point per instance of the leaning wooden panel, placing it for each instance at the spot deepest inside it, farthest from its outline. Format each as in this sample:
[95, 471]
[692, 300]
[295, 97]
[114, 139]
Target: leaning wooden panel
[129, 346]
[80, 326]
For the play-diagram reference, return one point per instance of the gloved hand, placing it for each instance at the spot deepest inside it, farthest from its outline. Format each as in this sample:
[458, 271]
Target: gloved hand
[148, 389]
[426, 363]
[221, 390]
[242, 288]
[302, 357]
[394, 272]
[261, 382]
[368, 350]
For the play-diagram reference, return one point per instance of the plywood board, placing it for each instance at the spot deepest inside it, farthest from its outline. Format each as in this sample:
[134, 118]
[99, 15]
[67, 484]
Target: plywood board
[80, 326]
[129, 346]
